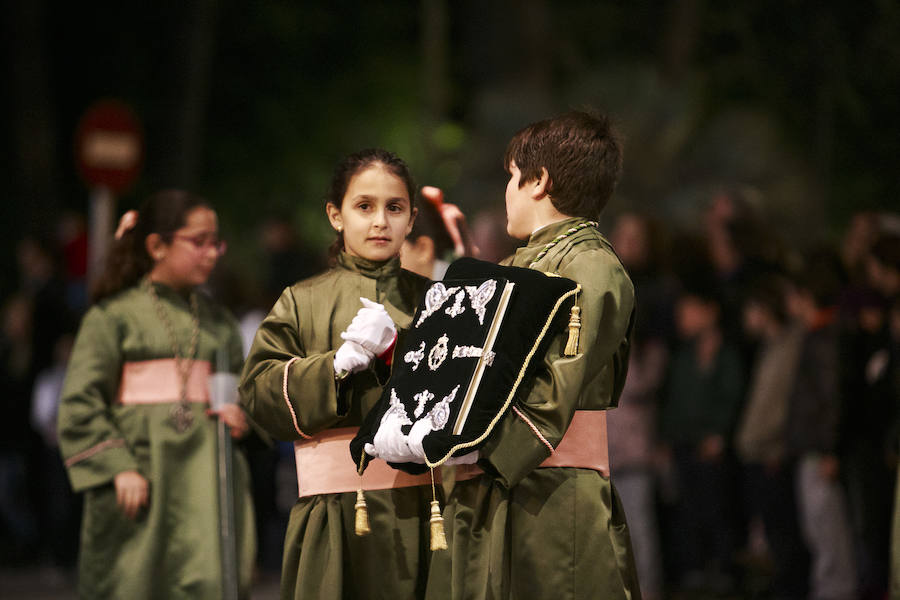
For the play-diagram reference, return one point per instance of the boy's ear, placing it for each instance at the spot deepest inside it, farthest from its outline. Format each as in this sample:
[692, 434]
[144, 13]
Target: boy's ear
[541, 185]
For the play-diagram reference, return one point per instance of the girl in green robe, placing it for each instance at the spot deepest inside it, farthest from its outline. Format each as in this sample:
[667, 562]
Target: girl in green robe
[315, 370]
[135, 429]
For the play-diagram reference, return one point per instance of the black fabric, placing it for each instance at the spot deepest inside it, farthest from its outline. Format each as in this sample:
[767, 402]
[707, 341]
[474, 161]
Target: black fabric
[518, 348]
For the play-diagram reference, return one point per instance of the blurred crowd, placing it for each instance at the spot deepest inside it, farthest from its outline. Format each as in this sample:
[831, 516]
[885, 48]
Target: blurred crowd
[755, 443]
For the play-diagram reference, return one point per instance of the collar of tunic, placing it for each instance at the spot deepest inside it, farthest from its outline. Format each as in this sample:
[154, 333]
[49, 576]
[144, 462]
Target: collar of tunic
[369, 268]
[540, 238]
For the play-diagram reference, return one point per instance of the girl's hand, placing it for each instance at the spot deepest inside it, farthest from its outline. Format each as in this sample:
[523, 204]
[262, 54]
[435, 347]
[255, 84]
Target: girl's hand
[351, 358]
[233, 415]
[372, 328]
[132, 492]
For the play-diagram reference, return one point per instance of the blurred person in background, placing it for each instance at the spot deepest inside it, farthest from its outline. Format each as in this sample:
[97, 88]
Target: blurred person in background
[287, 258]
[73, 239]
[135, 425]
[439, 235]
[868, 434]
[883, 265]
[632, 426]
[59, 506]
[428, 247]
[761, 437]
[814, 429]
[705, 390]
[18, 524]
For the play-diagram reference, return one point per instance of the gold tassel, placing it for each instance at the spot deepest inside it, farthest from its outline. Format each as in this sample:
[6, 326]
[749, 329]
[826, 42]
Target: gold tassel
[362, 515]
[574, 328]
[438, 538]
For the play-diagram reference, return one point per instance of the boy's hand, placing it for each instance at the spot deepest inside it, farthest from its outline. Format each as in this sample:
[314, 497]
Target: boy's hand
[132, 492]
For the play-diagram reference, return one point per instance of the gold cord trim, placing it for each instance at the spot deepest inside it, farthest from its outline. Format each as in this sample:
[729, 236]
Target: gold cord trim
[533, 428]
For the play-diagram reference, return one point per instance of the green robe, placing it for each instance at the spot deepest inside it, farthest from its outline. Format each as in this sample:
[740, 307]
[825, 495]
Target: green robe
[323, 557]
[522, 532]
[171, 550]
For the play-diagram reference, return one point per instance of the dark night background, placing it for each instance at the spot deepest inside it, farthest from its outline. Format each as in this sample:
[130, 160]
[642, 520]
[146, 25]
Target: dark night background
[252, 103]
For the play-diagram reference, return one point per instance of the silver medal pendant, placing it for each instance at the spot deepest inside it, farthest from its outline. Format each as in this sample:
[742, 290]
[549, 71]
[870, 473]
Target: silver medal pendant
[182, 418]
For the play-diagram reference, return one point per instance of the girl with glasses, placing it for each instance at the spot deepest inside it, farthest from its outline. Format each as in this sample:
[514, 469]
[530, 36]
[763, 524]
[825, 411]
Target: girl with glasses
[136, 430]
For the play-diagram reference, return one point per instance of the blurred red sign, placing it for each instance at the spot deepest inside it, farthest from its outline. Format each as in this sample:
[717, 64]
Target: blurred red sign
[109, 145]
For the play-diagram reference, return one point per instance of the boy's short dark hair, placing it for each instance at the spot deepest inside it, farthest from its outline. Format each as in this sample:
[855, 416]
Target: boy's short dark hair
[583, 157]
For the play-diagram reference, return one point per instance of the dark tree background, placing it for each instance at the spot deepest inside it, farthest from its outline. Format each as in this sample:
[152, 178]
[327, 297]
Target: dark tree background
[251, 103]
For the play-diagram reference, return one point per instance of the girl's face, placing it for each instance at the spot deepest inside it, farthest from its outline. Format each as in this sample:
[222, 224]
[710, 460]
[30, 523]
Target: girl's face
[375, 215]
[189, 257]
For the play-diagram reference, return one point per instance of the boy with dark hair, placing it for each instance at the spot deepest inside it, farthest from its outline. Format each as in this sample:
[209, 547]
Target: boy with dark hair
[543, 519]
[761, 438]
[697, 421]
[813, 428]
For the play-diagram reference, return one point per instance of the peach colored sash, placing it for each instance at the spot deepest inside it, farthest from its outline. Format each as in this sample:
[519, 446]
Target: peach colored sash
[158, 381]
[324, 465]
[584, 446]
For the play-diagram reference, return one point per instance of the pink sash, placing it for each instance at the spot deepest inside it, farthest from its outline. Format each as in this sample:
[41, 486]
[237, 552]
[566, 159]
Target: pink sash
[158, 381]
[324, 464]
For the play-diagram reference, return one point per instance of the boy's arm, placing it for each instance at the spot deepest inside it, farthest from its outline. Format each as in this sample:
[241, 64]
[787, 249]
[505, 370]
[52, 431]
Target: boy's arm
[592, 379]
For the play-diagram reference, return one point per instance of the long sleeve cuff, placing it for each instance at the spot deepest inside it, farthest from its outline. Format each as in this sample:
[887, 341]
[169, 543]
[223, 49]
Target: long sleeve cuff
[515, 450]
[99, 464]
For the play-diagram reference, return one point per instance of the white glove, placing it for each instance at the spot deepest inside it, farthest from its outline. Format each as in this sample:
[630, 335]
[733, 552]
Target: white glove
[390, 442]
[351, 357]
[371, 328]
[416, 436]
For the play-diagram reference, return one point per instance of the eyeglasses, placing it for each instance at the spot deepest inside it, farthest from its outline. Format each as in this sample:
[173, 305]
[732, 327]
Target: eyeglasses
[204, 241]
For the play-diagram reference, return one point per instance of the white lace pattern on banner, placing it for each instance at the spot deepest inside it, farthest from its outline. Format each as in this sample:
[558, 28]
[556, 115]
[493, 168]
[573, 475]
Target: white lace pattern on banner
[415, 356]
[457, 308]
[435, 298]
[438, 353]
[396, 410]
[480, 296]
[474, 352]
[440, 413]
[422, 398]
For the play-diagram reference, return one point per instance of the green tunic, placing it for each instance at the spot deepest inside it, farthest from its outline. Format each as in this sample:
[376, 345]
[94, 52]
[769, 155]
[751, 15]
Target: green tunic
[523, 532]
[323, 557]
[171, 550]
